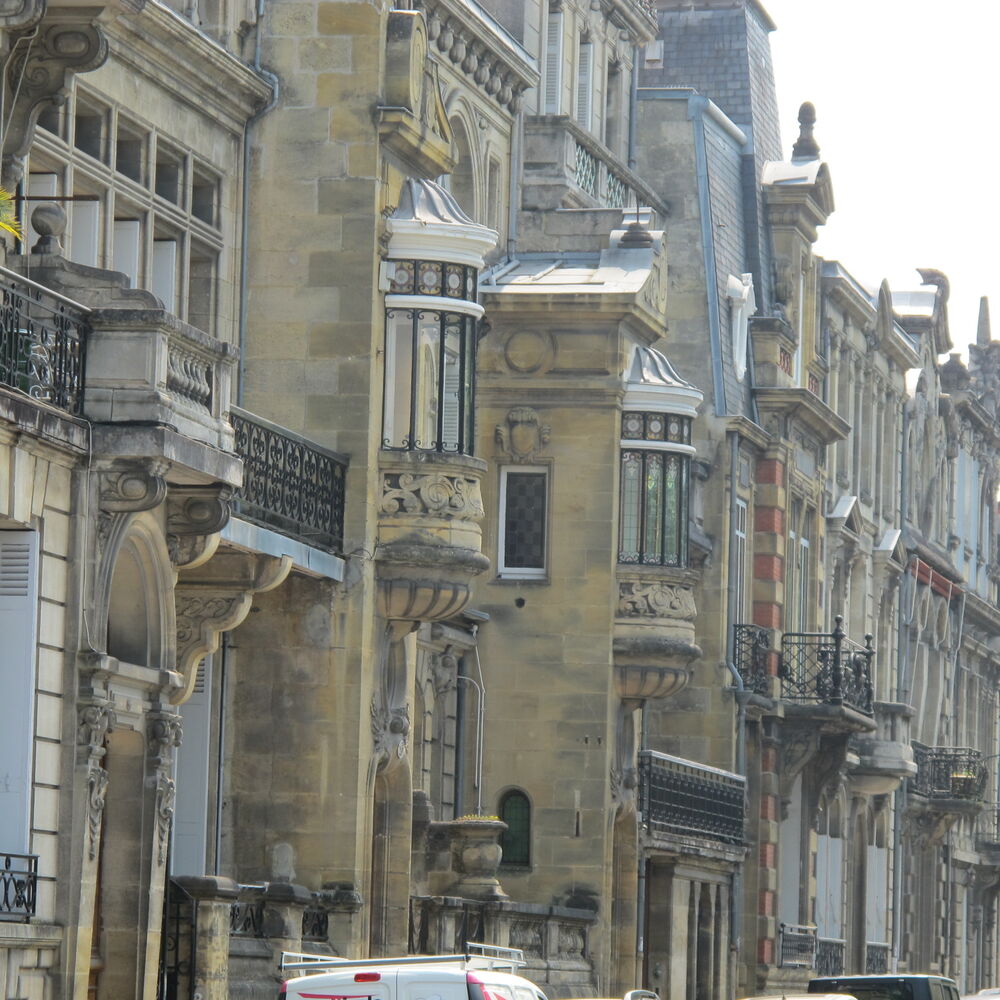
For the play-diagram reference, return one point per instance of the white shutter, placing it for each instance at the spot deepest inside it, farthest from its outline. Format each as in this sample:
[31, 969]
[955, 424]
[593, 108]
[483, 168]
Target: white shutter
[165, 273]
[188, 848]
[553, 63]
[84, 232]
[18, 599]
[125, 252]
[585, 86]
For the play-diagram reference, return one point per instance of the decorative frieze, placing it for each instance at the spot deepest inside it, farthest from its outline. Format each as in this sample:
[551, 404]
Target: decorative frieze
[435, 493]
[655, 599]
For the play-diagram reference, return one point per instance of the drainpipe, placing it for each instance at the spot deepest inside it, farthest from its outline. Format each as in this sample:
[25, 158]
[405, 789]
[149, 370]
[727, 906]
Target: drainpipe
[514, 184]
[245, 200]
[633, 105]
[741, 696]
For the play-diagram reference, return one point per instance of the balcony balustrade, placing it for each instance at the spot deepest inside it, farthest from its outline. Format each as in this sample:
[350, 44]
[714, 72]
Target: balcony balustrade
[876, 958]
[289, 484]
[677, 796]
[830, 954]
[949, 773]
[827, 668]
[796, 946]
[43, 338]
[18, 886]
[246, 915]
[751, 648]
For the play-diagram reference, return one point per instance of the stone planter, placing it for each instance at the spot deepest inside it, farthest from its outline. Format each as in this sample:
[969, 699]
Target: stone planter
[475, 857]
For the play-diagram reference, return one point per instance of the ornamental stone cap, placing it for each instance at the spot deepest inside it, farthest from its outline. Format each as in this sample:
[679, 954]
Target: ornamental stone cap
[428, 224]
[651, 383]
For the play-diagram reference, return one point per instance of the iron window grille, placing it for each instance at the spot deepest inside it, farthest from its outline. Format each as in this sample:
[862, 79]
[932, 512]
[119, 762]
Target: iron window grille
[655, 474]
[18, 886]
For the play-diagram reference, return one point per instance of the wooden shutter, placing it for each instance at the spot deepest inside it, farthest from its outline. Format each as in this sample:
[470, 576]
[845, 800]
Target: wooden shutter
[585, 85]
[188, 848]
[18, 600]
[553, 63]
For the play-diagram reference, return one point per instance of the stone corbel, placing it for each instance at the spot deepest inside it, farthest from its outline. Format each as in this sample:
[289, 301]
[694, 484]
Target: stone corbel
[195, 516]
[214, 599]
[43, 61]
[164, 731]
[624, 773]
[390, 711]
[798, 748]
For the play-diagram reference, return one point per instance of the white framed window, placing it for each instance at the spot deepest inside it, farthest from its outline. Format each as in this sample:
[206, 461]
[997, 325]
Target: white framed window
[740, 562]
[552, 78]
[18, 614]
[585, 84]
[523, 536]
[798, 563]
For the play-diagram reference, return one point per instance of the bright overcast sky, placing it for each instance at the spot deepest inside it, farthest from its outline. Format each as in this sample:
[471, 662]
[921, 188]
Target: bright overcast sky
[906, 105]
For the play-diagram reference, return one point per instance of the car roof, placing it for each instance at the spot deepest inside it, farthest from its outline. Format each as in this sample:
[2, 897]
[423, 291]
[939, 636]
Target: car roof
[887, 976]
[418, 972]
[802, 996]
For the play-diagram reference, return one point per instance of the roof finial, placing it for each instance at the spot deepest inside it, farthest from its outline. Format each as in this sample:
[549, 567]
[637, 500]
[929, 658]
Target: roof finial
[984, 336]
[806, 147]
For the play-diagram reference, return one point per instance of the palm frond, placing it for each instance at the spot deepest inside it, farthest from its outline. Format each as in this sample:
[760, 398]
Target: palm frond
[8, 214]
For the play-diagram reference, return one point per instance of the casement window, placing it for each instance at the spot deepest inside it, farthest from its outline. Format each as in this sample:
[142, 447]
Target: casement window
[829, 869]
[430, 358]
[552, 79]
[798, 576]
[523, 522]
[515, 841]
[189, 840]
[18, 614]
[655, 471]
[585, 84]
[739, 610]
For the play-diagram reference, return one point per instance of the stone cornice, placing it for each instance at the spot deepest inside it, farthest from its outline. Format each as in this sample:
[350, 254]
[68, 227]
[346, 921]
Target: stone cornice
[807, 408]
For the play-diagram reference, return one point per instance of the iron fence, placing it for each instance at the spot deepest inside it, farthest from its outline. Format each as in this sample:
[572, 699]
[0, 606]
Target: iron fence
[290, 484]
[681, 797]
[178, 956]
[828, 668]
[948, 773]
[246, 915]
[18, 886]
[43, 339]
[876, 958]
[315, 924]
[796, 946]
[751, 648]
[830, 956]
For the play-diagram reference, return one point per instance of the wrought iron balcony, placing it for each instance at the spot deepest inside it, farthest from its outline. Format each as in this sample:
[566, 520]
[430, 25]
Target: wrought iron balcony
[677, 796]
[827, 668]
[988, 827]
[18, 886]
[955, 773]
[43, 338]
[751, 647]
[796, 946]
[876, 958]
[289, 484]
[830, 954]
[246, 915]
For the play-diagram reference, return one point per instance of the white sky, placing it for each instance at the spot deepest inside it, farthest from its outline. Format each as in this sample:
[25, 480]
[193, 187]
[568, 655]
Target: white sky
[906, 107]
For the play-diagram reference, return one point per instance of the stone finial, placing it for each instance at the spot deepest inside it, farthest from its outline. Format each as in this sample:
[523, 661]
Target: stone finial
[984, 335]
[49, 221]
[806, 147]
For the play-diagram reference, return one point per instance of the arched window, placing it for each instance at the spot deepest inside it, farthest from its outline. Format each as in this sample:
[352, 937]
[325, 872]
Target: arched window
[515, 841]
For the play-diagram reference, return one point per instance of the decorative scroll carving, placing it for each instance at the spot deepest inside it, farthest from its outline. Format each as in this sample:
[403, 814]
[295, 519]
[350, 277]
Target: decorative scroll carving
[39, 74]
[163, 735]
[390, 730]
[436, 493]
[522, 436]
[195, 516]
[16, 14]
[97, 790]
[165, 796]
[95, 721]
[637, 599]
[136, 487]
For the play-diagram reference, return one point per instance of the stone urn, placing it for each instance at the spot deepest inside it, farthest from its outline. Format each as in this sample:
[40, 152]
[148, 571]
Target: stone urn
[475, 856]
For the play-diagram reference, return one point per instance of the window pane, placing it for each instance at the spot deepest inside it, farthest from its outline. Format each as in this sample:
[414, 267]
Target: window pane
[451, 399]
[652, 547]
[515, 841]
[398, 378]
[630, 507]
[524, 521]
[429, 341]
[672, 509]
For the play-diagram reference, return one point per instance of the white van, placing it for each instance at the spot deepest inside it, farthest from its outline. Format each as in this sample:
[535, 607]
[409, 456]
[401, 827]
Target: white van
[485, 972]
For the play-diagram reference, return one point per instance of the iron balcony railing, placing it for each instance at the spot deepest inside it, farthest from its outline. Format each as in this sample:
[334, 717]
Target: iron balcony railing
[289, 483]
[246, 915]
[796, 946]
[43, 339]
[18, 886]
[828, 668]
[876, 958]
[830, 954]
[948, 773]
[680, 797]
[751, 648]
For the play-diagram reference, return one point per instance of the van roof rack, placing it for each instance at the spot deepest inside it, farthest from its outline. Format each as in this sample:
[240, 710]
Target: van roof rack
[476, 956]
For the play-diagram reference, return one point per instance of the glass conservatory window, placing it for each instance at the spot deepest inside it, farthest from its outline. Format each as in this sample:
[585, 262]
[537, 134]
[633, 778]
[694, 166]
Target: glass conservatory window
[655, 469]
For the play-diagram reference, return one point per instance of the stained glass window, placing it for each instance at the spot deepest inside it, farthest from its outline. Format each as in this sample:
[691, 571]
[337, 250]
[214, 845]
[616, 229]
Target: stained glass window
[515, 841]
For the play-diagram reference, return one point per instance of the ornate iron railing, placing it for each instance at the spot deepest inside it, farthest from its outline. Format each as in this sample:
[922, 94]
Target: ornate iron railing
[828, 668]
[18, 886]
[680, 797]
[289, 483]
[246, 915]
[586, 170]
[751, 647]
[948, 773]
[830, 956]
[43, 338]
[178, 955]
[796, 946]
[876, 958]
[315, 924]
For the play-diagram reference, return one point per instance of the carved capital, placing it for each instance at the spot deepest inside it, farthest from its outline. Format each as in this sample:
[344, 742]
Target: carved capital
[94, 721]
[164, 731]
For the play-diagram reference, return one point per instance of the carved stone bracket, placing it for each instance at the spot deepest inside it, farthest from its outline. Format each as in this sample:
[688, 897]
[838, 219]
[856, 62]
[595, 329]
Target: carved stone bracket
[798, 747]
[164, 731]
[165, 796]
[39, 73]
[97, 791]
[195, 516]
[133, 486]
[216, 598]
[94, 721]
[390, 712]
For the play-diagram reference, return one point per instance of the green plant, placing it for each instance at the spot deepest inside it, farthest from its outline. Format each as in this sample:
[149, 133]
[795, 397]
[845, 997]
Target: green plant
[8, 215]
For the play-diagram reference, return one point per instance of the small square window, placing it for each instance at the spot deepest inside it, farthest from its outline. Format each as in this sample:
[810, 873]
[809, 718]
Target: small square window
[130, 147]
[169, 173]
[204, 194]
[89, 128]
[523, 522]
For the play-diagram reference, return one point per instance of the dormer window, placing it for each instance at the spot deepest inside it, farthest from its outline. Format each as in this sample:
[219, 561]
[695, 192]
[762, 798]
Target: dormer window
[431, 279]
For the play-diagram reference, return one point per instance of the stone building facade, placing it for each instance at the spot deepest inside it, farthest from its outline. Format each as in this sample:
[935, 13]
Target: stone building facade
[437, 504]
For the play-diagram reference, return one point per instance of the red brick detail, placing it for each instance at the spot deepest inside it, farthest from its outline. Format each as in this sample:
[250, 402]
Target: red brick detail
[767, 855]
[767, 613]
[770, 471]
[769, 520]
[769, 760]
[765, 951]
[769, 568]
[768, 807]
[766, 903]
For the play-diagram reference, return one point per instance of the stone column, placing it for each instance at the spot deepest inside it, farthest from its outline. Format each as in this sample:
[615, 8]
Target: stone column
[213, 897]
[284, 904]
